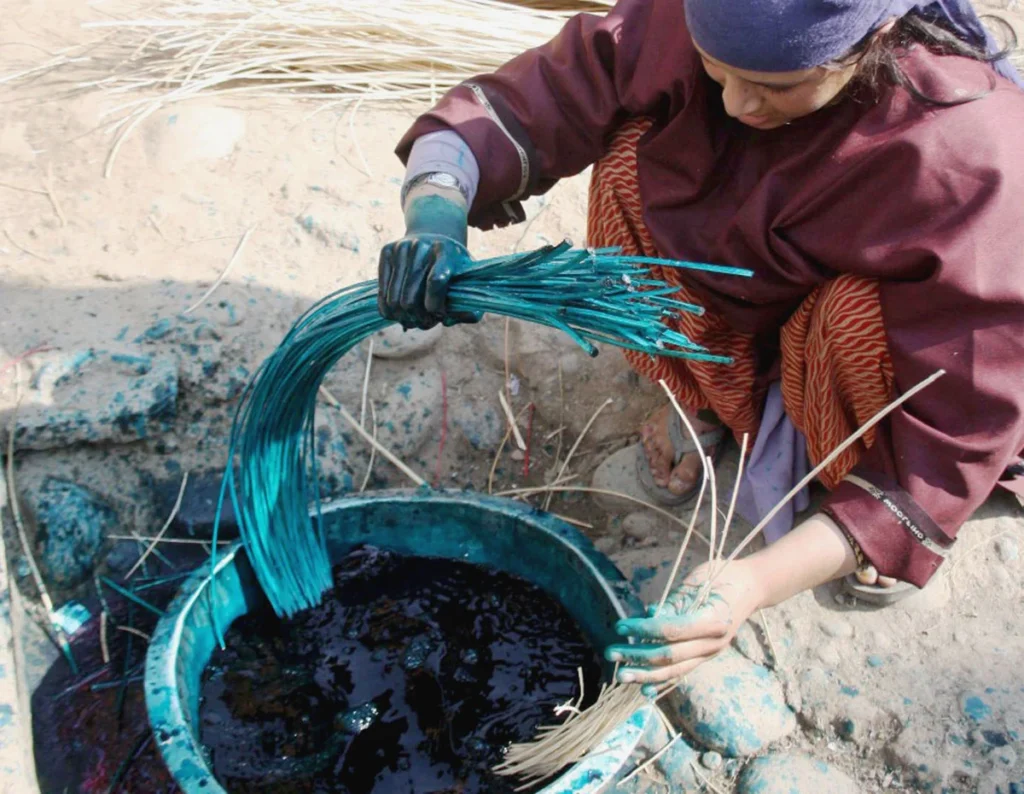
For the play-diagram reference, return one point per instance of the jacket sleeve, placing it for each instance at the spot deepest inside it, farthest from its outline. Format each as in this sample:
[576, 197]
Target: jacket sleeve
[942, 234]
[546, 114]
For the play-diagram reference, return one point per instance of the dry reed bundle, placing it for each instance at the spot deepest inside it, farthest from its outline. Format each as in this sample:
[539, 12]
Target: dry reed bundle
[337, 50]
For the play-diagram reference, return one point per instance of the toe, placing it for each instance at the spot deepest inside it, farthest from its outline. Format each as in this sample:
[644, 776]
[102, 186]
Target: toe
[686, 474]
[868, 576]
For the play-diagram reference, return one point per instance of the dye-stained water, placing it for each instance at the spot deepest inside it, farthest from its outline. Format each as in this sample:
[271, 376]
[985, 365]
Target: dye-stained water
[412, 676]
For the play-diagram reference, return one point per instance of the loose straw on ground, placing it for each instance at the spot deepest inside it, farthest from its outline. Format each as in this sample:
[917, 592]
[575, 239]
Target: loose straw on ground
[366, 384]
[19, 524]
[136, 632]
[163, 529]
[104, 648]
[652, 760]
[170, 541]
[224, 273]
[51, 194]
[703, 779]
[373, 450]
[572, 451]
[512, 424]
[25, 250]
[371, 440]
[604, 492]
[735, 493]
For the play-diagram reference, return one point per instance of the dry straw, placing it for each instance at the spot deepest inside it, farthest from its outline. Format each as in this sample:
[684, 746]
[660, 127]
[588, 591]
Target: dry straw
[363, 51]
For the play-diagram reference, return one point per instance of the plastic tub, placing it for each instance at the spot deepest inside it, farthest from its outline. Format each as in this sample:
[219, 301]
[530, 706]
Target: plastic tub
[506, 535]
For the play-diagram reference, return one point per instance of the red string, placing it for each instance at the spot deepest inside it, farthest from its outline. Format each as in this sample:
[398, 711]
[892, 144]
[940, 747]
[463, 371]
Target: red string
[18, 359]
[529, 439]
[444, 428]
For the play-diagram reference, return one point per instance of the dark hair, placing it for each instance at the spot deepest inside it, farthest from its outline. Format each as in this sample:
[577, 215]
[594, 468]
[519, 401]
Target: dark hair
[878, 56]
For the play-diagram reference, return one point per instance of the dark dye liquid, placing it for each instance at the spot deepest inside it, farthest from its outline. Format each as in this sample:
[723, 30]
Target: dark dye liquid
[413, 675]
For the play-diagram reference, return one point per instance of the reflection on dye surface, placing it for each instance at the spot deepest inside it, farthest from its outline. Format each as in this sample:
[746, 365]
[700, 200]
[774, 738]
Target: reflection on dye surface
[412, 676]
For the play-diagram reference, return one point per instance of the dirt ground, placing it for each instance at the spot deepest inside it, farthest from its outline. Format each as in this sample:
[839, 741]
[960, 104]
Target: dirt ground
[923, 696]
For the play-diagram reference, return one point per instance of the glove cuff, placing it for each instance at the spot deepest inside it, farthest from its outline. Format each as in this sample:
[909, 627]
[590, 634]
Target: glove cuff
[437, 214]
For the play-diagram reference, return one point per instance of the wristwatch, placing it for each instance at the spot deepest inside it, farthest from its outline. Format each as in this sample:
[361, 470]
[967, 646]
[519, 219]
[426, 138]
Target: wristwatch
[437, 179]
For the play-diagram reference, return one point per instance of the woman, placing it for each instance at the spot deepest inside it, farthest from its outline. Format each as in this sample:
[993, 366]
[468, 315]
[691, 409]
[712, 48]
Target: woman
[863, 158]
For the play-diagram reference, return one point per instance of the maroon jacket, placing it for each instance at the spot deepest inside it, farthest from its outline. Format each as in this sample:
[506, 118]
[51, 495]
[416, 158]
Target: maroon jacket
[929, 200]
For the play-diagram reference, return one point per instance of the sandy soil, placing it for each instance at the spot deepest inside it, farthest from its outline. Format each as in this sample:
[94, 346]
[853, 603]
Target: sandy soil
[880, 693]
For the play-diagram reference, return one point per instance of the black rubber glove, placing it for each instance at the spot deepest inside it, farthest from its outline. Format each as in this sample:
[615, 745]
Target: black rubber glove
[415, 271]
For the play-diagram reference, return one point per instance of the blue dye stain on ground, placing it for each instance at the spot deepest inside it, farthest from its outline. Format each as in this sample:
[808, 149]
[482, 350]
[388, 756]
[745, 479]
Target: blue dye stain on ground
[995, 738]
[643, 574]
[850, 691]
[6, 715]
[976, 709]
[875, 661]
[405, 390]
[155, 332]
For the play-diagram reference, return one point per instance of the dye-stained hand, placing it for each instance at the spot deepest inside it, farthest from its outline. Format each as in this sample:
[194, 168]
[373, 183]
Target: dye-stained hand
[694, 625]
[414, 277]
[416, 272]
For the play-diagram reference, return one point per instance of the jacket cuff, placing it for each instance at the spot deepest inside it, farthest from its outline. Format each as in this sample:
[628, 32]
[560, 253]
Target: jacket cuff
[509, 170]
[894, 533]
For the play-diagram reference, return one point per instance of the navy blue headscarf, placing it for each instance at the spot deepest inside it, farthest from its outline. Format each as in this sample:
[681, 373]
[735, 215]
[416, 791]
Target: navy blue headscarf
[789, 35]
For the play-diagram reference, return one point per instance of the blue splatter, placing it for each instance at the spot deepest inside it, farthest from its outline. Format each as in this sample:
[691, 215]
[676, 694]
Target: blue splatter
[976, 709]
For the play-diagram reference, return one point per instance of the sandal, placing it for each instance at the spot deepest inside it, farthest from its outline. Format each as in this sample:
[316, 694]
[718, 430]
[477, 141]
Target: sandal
[879, 596]
[629, 472]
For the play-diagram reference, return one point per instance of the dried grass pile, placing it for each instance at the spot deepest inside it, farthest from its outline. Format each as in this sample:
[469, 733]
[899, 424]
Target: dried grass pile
[371, 51]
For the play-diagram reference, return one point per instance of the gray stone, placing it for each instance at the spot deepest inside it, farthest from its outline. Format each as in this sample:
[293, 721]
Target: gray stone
[481, 424]
[122, 556]
[643, 526]
[834, 627]
[198, 507]
[96, 396]
[976, 707]
[71, 522]
[408, 400]
[395, 343]
[1007, 549]
[409, 410]
[734, 706]
[711, 760]
[618, 474]
[793, 774]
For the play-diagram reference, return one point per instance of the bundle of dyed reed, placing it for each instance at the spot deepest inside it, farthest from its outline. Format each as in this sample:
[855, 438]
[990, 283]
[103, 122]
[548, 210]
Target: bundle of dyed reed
[593, 296]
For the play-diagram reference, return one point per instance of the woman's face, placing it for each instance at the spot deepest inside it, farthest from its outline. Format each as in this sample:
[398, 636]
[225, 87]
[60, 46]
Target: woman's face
[766, 100]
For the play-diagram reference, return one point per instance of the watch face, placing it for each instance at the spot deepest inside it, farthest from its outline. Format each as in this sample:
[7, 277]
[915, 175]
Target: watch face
[443, 180]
